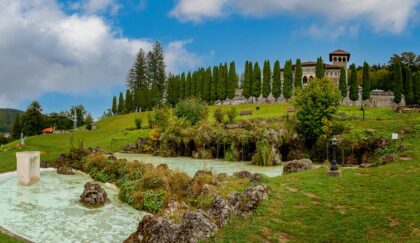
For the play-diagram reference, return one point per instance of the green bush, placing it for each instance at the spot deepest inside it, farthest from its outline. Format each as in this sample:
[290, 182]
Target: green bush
[153, 201]
[219, 115]
[191, 109]
[138, 122]
[232, 114]
[127, 192]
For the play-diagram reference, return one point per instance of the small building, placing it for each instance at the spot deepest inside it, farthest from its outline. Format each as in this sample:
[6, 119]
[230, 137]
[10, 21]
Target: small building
[7, 135]
[48, 130]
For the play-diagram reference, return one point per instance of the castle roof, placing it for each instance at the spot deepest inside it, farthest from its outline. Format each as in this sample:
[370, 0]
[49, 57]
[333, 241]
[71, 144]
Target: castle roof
[340, 52]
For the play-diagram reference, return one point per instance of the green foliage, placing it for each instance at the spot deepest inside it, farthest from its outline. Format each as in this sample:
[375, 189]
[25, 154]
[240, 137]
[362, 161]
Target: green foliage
[319, 68]
[162, 116]
[316, 101]
[138, 122]
[89, 121]
[247, 82]
[32, 121]
[298, 74]
[408, 86]
[263, 155]
[219, 115]
[121, 103]
[288, 80]
[127, 192]
[114, 105]
[398, 82]
[276, 80]
[256, 81]
[233, 81]
[214, 88]
[416, 88]
[221, 82]
[190, 109]
[366, 82]
[17, 127]
[153, 201]
[354, 89]
[232, 114]
[266, 87]
[343, 83]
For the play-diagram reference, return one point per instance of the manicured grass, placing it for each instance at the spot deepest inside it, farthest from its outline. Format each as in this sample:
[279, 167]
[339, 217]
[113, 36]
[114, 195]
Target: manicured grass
[7, 239]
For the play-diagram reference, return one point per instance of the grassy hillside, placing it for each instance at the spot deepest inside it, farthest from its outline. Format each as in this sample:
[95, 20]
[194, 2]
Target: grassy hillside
[7, 116]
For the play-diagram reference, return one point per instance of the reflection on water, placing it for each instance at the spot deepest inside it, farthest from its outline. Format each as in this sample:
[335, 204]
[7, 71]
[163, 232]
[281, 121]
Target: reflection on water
[190, 165]
[49, 211]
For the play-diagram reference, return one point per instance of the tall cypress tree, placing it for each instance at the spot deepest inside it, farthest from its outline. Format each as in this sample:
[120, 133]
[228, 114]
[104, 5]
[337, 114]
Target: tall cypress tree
[343, 83]
[408, 86]
[121, 103]
[298, 74]
[398, 82]
[188, 86]
[233, 81]
[288, 80]
[214, 81]
[209, 85]
[276, 80]
[256, 81]
[221, 83]
[319, 69]
[114, 105]
[194, 84]
[266, 87]
[246, 86]
[182, 86]
[366, 82]
[354, 89]
[416, 88]
[128, 102]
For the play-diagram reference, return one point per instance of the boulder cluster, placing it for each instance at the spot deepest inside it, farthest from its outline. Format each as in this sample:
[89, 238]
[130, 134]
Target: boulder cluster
[297, 165]
[198, 225]
[93, 195]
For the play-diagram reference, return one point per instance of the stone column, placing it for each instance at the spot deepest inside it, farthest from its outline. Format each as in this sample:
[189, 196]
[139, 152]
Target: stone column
[28, 167]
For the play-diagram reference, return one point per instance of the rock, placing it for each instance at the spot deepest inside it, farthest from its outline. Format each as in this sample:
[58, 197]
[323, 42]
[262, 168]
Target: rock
[220, 210]
[175, 208]
[195, 226]
[65, 170]
[388, 158]
[246, 202]
[206, 190]
[93, 195]
[112, 157]
[370, 130]
[246, 174]
[402, 148]
[297, 165]
[163, 167]
[366, 165]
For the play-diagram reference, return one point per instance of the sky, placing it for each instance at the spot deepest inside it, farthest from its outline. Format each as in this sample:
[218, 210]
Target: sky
[70, 52]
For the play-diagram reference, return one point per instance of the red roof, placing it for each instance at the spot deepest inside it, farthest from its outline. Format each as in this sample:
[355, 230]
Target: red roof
[340, 52]
[48, 130]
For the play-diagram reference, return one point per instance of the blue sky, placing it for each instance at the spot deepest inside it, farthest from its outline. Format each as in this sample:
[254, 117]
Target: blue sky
[78, 51]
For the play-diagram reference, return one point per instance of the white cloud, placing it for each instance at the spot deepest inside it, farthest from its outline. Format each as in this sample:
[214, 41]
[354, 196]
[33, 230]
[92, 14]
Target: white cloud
[382, 15]
[329, 33]
[97, 6]
[45, 50]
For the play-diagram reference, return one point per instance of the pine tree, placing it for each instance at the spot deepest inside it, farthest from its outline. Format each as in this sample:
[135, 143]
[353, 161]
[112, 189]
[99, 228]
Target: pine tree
[128, 102]
[398, 82]
[319, 69]
[298, 75]
[114, 105]
[144, 99]
[121, 103]
[266, 85]
[343, 83]
[131, 78]
[159, 71]
[214, 81]
[188, 86]
[288, 80]
[182, 87]
[256, 81]
[366, 82]
[276, 80]
[408, 86]
[246, 86]
[233, 81]
[137, 77]
[354, 89]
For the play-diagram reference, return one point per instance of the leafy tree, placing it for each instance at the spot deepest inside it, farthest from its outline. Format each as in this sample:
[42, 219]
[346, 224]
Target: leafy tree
[408, 86]
[398, 82]
[190, 109]
[343, 83]
[366, 82]
[247, 85]
[266, 89]
[319, 68]
[17, 127]
[288, 80]
[121, 103]
[354, 89]
[298, 74]
[233, 81]
[276, 80]
[80, 112]
[256, 81]
[114, 105]
[316, 103]
[32, 120]
[89, 121]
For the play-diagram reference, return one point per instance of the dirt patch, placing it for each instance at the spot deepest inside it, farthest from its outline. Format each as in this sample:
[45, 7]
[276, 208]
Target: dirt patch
[266, 232]
[291, 189]
[315, 202]
[415, 231]
[406, 157]
[283, 237]
[341, 209]
[362, 174]
[310, 195]
[394, 222]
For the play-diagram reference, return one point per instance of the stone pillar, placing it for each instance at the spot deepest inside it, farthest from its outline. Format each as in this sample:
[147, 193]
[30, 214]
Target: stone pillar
[28, 167]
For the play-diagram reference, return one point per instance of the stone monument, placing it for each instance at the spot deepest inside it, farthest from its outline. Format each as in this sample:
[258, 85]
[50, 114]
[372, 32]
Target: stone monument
[28, 167]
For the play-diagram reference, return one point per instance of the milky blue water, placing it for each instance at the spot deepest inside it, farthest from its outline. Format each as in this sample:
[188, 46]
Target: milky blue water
[49, 211]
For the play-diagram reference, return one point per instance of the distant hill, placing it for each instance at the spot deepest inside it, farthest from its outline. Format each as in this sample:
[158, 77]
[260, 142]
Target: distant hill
[7, 116]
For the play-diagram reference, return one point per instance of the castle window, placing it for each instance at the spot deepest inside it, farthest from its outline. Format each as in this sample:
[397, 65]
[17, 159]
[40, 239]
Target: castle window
[339, 59]
[344, 59]
[335, 59]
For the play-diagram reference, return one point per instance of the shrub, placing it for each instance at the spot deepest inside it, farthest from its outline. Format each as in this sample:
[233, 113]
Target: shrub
[191, 109]
[138, 122]
[151, 120]
[219, 115]
[232, 114]
[153, 201]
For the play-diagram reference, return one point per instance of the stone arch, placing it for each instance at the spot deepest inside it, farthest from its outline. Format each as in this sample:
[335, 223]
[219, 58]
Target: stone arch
[344, 59]
[310, 78]
[339, 59]
[305, 80]
[335, 59]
